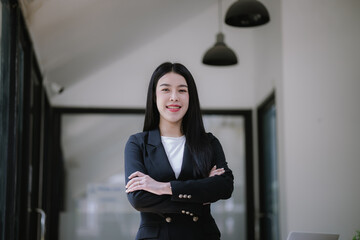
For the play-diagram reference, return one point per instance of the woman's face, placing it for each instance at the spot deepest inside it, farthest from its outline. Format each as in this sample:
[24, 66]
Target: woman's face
[172, 98]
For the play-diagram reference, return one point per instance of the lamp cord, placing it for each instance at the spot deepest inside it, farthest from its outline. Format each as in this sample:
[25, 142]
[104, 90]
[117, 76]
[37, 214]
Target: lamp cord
[219, 13]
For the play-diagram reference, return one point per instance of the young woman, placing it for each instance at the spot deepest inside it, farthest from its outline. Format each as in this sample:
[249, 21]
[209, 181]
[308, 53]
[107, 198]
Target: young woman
[174, 169]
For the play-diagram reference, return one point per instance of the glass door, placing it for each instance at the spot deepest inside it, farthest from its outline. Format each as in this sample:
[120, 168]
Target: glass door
[29, 146]
[268, 180]
[20, 134]
[37, 216]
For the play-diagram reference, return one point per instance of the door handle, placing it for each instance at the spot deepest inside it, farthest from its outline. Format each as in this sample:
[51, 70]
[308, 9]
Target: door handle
[42, 222]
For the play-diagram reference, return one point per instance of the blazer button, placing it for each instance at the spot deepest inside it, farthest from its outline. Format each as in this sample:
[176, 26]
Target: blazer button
[195, 219]
[187, 212]
[183, 212]
[185, 196]
[189, 196]
[180, 196]
[168, 219]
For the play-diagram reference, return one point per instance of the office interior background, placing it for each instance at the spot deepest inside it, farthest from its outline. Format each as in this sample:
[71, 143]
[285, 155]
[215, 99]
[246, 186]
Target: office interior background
[74, 76]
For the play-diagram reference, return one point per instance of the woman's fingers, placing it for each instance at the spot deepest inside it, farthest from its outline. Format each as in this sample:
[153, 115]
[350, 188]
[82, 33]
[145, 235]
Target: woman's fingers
[212, 171]
[133, 181]
[218, 171]
[136, 174]
[134, 185]
[215, 171]
[140, 181]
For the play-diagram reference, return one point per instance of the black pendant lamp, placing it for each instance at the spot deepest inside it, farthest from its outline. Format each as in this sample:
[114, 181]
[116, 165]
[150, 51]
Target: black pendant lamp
[220, 54]
[247, 13]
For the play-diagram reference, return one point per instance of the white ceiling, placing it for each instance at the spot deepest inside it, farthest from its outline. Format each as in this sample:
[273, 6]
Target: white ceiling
[74, 39]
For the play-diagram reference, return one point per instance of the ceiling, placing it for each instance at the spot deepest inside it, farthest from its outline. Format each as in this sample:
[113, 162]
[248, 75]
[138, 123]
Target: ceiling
[74, 39]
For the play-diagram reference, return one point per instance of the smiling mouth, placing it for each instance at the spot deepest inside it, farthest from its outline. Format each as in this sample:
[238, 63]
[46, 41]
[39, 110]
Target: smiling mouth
[173, 107]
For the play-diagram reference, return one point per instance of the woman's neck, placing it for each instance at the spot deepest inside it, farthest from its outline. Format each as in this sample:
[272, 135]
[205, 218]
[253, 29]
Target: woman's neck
[170, 130]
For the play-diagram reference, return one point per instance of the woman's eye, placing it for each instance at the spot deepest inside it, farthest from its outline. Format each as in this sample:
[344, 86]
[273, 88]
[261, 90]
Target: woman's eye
[183, 90]
[165, 90]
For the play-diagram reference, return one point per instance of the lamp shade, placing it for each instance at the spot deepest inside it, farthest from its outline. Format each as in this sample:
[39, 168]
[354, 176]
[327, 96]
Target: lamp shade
[220, 54]
[247, 13]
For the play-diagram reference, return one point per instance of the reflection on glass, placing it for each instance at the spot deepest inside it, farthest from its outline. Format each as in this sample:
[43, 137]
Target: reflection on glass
[97, 207]
[96, 203]
[269, 222]
[230, 214]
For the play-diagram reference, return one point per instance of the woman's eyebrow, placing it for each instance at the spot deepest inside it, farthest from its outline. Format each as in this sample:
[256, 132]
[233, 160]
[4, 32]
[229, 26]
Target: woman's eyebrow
[168, 85]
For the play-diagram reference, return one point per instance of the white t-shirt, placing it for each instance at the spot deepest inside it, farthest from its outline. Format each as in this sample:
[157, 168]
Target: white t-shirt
[174, 148]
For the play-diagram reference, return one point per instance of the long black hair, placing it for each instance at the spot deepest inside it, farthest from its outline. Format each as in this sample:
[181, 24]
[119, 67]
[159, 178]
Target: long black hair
[192, 123]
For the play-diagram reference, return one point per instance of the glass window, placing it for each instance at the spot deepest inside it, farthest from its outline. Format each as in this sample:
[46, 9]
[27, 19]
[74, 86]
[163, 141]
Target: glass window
[96, 206]
[230, 214]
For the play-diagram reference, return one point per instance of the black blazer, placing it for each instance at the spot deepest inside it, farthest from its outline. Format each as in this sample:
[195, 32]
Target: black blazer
[182, 215]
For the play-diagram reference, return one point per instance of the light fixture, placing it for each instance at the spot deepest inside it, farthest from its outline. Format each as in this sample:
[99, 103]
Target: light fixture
[247, 13]
[53, 88]
[56, 88]
[220, 54]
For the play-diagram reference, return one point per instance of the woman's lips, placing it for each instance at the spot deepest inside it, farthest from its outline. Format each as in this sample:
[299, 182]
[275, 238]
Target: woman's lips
[173, 108]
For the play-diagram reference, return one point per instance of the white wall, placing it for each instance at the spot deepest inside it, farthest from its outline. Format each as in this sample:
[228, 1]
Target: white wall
[321, 116]
[309, 53]
[267, 79]
[268, 53]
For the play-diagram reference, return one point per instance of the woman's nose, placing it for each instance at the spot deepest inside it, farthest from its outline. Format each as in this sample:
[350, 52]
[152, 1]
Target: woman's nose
[174, 97]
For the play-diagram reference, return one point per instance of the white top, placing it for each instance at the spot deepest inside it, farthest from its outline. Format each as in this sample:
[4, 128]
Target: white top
[174, 148]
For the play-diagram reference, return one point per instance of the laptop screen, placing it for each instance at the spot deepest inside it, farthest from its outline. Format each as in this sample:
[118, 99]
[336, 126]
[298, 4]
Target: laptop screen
[312, 236]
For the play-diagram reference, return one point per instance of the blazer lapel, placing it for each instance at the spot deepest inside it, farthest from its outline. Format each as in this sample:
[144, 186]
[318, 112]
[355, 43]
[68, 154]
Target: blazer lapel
[157, 161]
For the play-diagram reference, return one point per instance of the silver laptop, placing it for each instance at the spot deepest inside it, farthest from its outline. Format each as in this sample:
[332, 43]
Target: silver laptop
[312, 236]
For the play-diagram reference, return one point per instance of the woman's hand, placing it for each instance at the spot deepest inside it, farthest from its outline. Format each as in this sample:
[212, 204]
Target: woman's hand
[214, 171]
[140, 181]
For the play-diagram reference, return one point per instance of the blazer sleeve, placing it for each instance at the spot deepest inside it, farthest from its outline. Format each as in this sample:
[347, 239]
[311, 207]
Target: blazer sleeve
[210, 189]
[145, 201]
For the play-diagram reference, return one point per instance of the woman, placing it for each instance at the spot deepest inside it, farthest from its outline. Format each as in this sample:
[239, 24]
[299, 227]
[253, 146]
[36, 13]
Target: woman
[174, 169]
